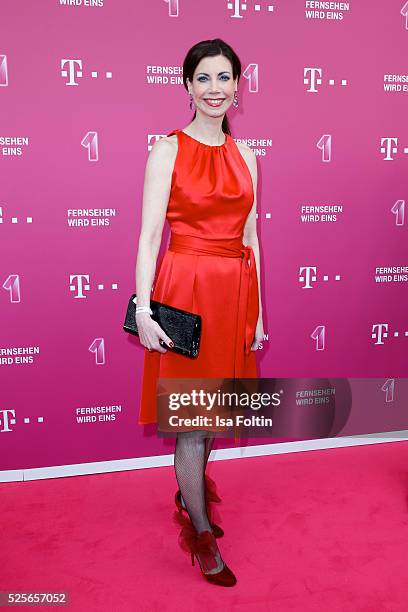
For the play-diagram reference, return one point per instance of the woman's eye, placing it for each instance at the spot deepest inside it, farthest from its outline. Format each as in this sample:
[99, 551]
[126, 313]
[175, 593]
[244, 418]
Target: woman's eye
[225, 77]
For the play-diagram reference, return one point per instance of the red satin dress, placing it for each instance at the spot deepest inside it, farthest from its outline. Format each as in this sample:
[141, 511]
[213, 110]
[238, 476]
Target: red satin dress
[206, 268]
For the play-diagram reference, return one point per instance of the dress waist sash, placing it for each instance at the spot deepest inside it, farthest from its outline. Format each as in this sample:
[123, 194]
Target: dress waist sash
[248, 306]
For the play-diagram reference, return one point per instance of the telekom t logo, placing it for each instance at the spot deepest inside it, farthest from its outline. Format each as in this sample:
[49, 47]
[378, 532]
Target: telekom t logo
[71, 70]
[74, 70]
[7, 418]
[83, 284]
[379, 331]
[238, 5]
[80, 285]
[3, 71]
[308, 275]
[313, 77]
[388, 146]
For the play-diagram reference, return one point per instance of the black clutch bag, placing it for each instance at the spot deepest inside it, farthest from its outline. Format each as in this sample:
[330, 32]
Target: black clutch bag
[183, 327]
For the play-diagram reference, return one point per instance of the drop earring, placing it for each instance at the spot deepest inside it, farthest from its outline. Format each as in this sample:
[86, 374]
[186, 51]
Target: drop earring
[235, 100]
[191, 102]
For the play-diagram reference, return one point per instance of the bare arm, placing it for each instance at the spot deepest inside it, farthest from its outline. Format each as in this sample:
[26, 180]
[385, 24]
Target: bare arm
[250, 234]
[156, 191]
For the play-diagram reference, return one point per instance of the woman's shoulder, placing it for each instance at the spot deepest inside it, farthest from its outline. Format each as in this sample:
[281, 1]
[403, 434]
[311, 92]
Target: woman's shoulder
[164, 149]
[245, 149]
[165, 143]
[248, 156]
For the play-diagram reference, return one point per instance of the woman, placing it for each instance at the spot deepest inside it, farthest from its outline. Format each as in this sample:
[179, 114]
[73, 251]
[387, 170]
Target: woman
[204, 184]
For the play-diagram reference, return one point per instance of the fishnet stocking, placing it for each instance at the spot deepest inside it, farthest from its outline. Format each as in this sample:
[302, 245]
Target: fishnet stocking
[209, 441]
[190, 459]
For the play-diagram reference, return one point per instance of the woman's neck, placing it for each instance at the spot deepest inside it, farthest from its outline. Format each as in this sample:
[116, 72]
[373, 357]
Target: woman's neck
[207, 131]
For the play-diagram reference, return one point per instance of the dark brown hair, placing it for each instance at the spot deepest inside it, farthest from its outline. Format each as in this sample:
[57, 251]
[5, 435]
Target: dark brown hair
[210, 48]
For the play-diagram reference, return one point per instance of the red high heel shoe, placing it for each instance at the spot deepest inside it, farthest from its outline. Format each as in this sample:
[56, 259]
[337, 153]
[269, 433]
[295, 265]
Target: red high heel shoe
[211, 497]
[204, 547]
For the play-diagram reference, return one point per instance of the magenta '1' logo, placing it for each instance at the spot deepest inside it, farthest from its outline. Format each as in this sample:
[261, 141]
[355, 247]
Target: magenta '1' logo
[3, 71]
[388, 388]
[173, 7]
[404, 13]
[325, 145]
[98, 348]
[12, 285]
[399, 211]
[251, 74]
[90, 142]
[319, 335]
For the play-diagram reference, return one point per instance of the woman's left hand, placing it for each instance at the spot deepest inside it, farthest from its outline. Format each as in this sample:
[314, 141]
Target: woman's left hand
[259, 335]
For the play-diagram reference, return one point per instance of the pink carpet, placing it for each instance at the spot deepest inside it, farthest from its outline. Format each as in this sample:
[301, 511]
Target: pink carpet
[305, 531]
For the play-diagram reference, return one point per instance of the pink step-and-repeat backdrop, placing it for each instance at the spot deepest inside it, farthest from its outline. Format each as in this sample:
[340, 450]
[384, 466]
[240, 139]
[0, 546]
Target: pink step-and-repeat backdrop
[86, 87]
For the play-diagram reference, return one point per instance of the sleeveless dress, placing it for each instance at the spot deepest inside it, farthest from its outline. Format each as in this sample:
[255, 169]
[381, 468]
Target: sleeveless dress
[206, 268]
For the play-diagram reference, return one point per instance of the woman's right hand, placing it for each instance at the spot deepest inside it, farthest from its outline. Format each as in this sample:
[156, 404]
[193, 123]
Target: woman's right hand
[150, 333]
